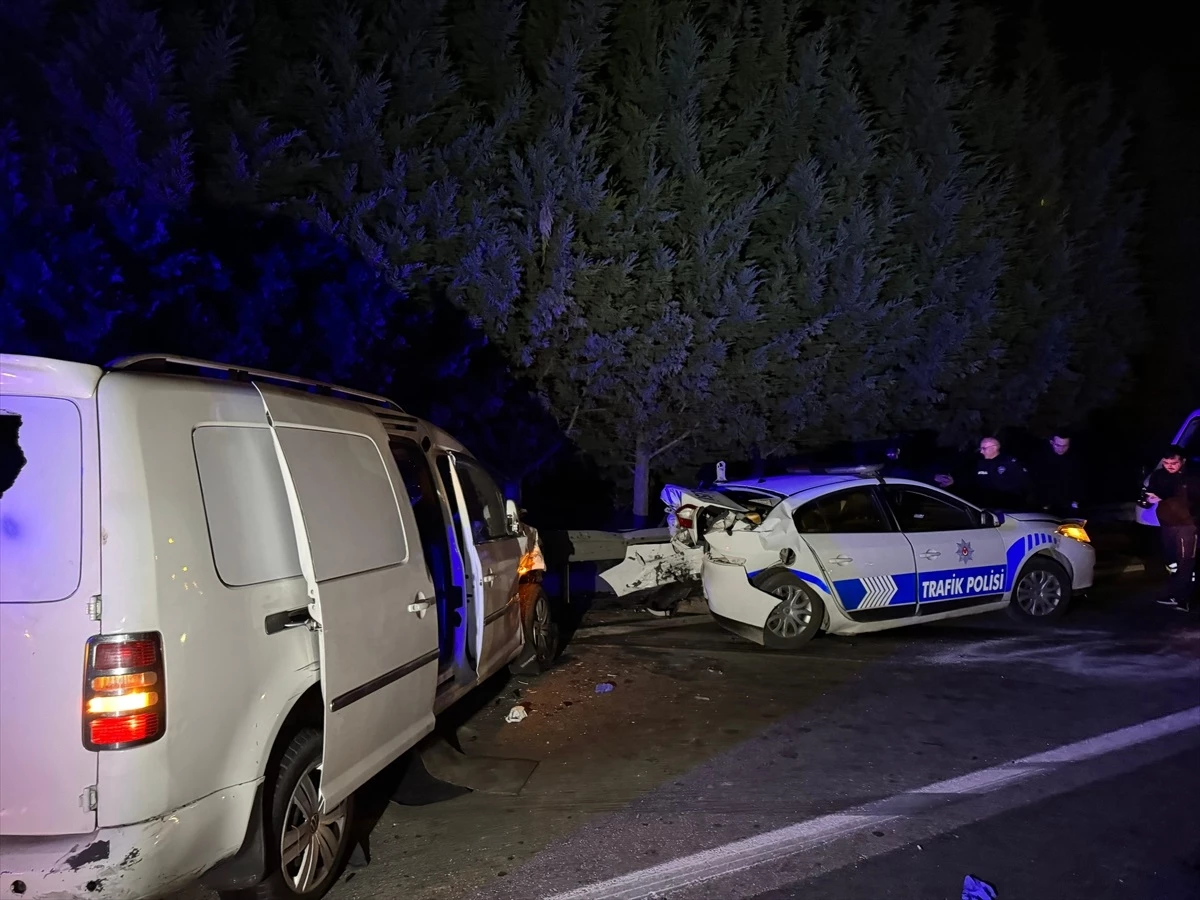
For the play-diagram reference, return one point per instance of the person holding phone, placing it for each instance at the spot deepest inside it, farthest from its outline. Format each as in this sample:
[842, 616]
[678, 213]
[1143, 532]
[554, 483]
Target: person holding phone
[1175, 493]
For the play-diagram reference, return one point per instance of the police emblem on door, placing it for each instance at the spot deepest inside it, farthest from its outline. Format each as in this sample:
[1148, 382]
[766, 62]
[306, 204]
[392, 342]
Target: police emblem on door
[965, 553]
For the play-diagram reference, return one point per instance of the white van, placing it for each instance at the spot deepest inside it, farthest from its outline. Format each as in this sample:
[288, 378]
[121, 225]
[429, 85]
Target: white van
[1188, 437]
[228, 598]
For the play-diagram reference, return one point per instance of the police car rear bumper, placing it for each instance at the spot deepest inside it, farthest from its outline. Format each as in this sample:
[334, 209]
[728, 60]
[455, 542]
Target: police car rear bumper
[734, 602]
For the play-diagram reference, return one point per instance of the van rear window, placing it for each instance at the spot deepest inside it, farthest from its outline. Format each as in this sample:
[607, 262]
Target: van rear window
[41, 499]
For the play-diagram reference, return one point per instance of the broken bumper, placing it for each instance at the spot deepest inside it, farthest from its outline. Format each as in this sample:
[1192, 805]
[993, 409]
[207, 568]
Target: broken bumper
[734, 602]
[1082, 559]
[129, 862]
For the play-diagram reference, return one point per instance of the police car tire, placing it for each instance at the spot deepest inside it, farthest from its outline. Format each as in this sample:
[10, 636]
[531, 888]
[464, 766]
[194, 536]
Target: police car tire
[1048, 565]
[773, 582]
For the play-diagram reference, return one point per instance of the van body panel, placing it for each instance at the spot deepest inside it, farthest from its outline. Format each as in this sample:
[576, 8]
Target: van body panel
[368, 584]
[153, 858]
[494, 631]
[162, 577]
[49, 576]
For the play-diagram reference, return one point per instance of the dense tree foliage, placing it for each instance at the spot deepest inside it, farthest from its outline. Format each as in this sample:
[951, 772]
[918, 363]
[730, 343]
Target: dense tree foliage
[687, 229]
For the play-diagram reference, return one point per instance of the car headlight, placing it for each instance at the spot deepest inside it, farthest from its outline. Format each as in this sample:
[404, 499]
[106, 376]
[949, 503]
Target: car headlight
[1075, 532]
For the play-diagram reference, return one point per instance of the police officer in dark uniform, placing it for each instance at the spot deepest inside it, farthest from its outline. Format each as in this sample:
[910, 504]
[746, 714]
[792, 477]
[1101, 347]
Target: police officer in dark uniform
[998, 480]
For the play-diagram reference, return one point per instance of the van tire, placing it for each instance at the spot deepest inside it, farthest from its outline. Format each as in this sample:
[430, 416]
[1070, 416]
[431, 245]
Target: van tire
[540, 629]
[285, 799]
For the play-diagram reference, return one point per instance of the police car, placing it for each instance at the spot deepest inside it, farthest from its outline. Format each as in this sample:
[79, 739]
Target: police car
[850, 552]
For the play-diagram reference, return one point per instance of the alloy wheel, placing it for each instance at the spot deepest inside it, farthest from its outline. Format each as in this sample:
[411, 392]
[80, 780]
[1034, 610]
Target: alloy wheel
[311, 840]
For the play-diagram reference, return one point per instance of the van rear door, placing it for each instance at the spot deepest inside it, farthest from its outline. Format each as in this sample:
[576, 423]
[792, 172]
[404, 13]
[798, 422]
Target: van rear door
[49, 592]
[369, 589]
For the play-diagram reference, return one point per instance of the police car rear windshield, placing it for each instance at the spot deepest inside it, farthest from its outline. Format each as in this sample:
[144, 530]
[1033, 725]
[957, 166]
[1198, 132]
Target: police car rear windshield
[761, 501]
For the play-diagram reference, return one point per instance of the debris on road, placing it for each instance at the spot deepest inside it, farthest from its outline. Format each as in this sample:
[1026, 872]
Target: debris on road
[605, 687]
[701, 697]
[516, 714]
[974, 889]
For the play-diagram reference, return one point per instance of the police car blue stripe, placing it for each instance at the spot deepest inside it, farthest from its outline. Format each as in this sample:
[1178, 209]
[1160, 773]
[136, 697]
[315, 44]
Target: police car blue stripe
[877, 591]
[1016, 553]
[803, 576]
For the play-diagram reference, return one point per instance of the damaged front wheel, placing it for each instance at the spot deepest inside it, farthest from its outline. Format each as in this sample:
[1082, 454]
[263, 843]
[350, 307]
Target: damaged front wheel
[798, 615]
[541, 632]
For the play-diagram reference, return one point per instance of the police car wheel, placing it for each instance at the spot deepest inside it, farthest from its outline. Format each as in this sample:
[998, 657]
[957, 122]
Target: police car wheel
[797, 617]
[1041, 593]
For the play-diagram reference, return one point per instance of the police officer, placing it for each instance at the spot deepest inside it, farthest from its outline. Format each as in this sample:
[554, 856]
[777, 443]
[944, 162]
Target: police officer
[998, 480]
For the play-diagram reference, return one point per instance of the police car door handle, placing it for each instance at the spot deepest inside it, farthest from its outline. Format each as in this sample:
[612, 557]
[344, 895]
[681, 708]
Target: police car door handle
[842, 560]
[931, 554]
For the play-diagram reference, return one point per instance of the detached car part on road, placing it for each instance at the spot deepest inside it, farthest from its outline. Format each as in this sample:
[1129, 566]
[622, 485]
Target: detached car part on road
[228, 598]
[788, 557]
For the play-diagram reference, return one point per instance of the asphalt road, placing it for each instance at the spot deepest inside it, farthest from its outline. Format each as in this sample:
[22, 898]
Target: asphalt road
[1058, 763]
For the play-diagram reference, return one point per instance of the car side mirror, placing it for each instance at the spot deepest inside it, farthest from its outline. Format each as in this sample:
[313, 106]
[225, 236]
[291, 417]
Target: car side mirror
[513, 515]
[991, 519]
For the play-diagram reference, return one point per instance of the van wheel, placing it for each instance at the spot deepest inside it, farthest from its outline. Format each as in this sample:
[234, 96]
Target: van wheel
[1041, 593]
[797, 617]
[306, 851]
[541, 632]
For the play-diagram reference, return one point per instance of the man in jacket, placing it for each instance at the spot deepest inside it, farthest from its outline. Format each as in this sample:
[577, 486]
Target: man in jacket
[1058, 478]
[1176, 494]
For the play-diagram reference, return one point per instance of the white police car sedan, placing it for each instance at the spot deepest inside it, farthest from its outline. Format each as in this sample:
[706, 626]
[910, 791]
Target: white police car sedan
[786, 557]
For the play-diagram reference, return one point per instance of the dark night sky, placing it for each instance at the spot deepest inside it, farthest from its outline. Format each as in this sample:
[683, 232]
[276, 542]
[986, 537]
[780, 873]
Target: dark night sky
[1127, 46]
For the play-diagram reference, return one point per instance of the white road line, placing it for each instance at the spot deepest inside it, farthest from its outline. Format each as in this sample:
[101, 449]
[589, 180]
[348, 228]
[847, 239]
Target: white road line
[726, 859]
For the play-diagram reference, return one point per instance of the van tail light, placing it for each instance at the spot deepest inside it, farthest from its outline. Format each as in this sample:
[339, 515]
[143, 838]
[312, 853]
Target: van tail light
[124, 691]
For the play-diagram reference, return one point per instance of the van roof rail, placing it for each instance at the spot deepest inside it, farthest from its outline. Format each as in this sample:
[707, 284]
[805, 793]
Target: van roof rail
[159, 362]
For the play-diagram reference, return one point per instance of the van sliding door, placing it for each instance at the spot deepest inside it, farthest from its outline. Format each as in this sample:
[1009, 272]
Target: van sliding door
[369, 588]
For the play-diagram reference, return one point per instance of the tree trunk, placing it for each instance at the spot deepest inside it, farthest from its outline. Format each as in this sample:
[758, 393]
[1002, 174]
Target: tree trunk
[641, 482]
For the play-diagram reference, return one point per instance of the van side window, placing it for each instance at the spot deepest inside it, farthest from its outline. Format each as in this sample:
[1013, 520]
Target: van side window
[427, 506]
[350, 506]
[485, 503]
[249, 523]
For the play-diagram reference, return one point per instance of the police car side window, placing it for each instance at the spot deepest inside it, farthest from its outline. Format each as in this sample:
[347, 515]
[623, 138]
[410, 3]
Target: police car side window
[846, 512]
[919, 511]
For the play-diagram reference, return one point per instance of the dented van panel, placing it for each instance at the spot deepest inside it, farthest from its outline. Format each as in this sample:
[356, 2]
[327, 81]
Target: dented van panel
[128, 863]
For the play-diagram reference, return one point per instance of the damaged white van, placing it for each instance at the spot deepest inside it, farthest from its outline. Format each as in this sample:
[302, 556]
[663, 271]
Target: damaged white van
[228, 598]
